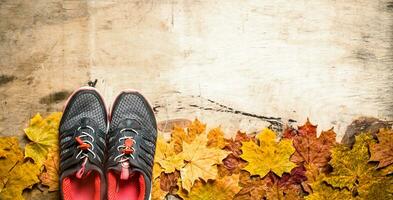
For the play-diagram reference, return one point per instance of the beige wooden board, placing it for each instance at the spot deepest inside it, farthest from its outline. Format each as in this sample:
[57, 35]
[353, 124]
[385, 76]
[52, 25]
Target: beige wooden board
[241, 64]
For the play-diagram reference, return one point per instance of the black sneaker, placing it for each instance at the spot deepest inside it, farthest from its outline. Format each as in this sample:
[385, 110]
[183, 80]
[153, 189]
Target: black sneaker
[131, 147]
[82, 134]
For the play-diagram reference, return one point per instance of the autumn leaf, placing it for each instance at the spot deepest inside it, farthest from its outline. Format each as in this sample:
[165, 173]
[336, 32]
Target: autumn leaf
[387, 170]
[253, 187]
[234, 145]
[168, 182]
[157, 169]
[307, 129]
[232, 164]
[352, 171]
[216, 138]
[221, 189]
[312, 150]
[22, 176]
[271, 186]
[286, 187]
[43, 134]
[382, 151]
[289, 133]
[178, 135]
[166, 157]
[157, 193]
[200, 161]
[313, 153]
[10, 155]
[51, 175]
[196, 128]
[322, 191]
[274, 155]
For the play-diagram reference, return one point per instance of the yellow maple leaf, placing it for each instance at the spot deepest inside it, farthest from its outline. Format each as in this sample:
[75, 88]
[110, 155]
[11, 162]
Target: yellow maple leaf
[10, 155]
[216, 138]
[157, 193]
[166, 156]
[51, 176]
[43, 134]
[22, 176]
[269, 155]
[157, 169]
[221, 189]
[179, 135]
[200, 161]
[196, 128]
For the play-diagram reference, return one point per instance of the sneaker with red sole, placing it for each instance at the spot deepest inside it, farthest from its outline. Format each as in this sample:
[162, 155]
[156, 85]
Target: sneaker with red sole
[82, 134]
[131, 147]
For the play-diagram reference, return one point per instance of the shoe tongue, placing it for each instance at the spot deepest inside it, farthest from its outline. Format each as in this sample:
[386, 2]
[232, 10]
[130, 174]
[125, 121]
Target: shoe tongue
[126, 170]
[85, 169]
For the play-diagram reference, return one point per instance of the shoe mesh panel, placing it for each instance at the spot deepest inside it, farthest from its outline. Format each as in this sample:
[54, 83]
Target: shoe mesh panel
[132, 106]
[85, 105]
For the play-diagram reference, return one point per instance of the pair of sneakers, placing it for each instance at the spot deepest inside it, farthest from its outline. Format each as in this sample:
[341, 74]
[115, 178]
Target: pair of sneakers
[106, 156]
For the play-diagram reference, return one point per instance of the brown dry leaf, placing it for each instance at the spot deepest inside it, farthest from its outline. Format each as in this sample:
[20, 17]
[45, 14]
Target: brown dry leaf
[234, 145]
[387, 170]
[200, 161]
[221, 189]
[232, 164]
[43, 134]
[253, 187]
[51, 175]
[272, 186]
[313, 153]
[289, 132]
[216, 138]
[168, 182]
[313, 150]
[286, 187]
[382, 151]
[307, 129]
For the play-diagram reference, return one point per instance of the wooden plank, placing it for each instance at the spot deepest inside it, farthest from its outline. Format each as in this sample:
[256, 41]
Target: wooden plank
[242, 64]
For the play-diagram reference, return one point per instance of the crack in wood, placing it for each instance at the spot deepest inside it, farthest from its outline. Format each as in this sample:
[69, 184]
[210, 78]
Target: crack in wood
[275, 122]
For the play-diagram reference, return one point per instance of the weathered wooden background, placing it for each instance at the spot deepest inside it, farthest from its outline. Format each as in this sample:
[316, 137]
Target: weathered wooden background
[242, 64]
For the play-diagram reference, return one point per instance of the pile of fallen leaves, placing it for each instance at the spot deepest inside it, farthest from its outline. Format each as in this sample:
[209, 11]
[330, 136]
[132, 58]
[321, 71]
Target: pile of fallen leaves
[38, 163]
[196, 163]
